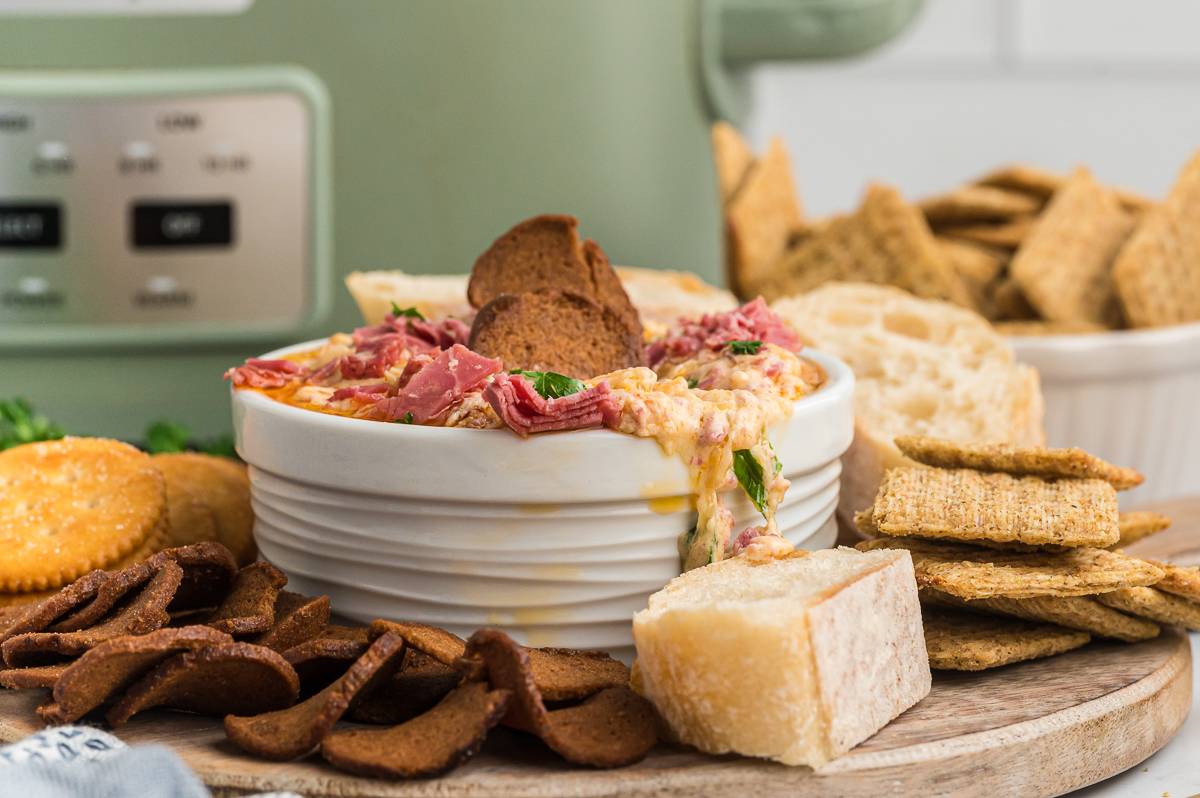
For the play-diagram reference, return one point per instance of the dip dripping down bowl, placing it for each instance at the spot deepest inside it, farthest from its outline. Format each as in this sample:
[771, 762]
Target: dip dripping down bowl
[557, 539]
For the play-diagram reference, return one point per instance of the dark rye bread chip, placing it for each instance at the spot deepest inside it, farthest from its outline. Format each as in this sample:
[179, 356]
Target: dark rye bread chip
[208, 572]
[445, 647]
[613, 728]
[327, 656]
[429, 745]
[117, 586]
[231, 679]
[145, 613]
[288, 733]
[563, 674]
[545, 252]
[40, 676]
[298, 619]
[38, 615]
[111, 667]
[416, 688]
[552, 330]
[250, 606]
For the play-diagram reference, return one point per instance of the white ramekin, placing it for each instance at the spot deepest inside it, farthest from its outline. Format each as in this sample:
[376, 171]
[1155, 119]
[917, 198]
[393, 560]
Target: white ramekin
[1131, 397]
[557, 539]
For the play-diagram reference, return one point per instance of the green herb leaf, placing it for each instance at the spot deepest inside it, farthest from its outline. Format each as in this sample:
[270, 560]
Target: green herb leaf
[221, 447]
[408, 419]
[749, 473]
[550, 385]
[166, 436]
[693, 382]
[744, 347]
[411, 313]
[19, 424]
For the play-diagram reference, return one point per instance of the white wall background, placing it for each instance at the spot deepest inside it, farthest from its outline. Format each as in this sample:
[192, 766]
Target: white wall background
[974, 84]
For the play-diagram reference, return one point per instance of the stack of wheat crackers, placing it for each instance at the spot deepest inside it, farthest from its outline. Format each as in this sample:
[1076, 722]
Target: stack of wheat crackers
[1016, 551]
[1034, 251]
[75, 505]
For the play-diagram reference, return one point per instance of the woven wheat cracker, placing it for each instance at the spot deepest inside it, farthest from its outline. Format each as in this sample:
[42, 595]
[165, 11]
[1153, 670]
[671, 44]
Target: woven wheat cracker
[969, 505]
[1064, 265]
[1139, 524]
[967, 642]
[70, 506]
[970, 572]
[732, 157]
[1034, 461]
[1156, 605]
[1157, 272]
[1073, 612]
[760, 219]
[1004, 235]
[885, 241]
[978, 204]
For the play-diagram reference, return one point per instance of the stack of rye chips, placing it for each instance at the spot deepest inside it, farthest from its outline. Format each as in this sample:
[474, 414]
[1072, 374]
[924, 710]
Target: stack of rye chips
[1016, 551]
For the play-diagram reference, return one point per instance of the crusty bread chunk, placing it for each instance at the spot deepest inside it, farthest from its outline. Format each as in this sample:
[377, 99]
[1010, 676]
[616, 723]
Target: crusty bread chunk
[550, 330]
[545, 252]
[922, 367]
[435, 296]
[796, 659]
[663, 297]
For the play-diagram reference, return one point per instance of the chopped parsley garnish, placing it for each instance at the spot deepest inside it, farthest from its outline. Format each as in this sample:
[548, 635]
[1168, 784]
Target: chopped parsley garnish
[406, 420]
[744, 347]
[749, 473]
[411, 313]
[550, 385]
[693, 382]
[19, 424]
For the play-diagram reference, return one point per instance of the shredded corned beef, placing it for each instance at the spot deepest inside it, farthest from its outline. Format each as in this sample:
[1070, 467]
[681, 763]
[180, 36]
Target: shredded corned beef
[265, 373]
[422, 336]
[361, 393]
[753, 321]
[525, 411]
[373, 357]
[438, 385]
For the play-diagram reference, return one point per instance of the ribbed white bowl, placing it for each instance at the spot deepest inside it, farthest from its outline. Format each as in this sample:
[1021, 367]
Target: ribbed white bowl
[558, 539]
[1131, 397]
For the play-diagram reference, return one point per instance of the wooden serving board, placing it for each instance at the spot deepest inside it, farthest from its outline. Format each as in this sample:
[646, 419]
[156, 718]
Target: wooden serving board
[1030, 730]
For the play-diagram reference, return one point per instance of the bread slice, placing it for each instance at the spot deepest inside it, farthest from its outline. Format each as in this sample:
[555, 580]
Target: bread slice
[663, 297]
[545, 252]
[435, 296]
[557, 331]
[922, 367]
[797, 659]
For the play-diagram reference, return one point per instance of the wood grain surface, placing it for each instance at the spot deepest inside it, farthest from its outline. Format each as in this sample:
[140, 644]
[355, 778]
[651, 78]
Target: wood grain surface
[1034, 729]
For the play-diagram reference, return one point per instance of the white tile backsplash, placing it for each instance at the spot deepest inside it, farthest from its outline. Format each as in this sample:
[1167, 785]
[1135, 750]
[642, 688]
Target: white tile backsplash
[979, 83]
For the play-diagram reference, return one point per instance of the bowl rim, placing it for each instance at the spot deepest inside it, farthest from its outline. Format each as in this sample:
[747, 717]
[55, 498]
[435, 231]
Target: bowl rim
[1112, 354]
[839, 380]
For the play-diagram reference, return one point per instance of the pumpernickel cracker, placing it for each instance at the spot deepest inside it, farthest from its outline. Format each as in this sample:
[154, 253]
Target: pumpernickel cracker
[1034, 461]
[978, 204]
[1139, 524]
[973, 573]
[445, 647]
[1073, 612]
[1157, 272]
[966, 642]
[1156, 605]
[732, 156]
[969, 505]
[760, 220]
[71, 506]
[250, 606]
[1064, 265]
[885, 241]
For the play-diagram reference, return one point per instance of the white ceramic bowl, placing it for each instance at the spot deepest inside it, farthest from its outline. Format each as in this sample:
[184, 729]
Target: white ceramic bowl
[1131, 397]
[557, 539]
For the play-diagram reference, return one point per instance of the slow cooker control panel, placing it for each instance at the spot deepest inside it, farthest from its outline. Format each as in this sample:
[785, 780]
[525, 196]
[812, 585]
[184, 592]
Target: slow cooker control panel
[167, 216]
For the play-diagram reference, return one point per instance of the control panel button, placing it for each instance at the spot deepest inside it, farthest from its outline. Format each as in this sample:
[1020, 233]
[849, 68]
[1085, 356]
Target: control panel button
[32, 292]
[30, 226]
[167, 224]
[138, 157]
[53, 157]
[162, 291]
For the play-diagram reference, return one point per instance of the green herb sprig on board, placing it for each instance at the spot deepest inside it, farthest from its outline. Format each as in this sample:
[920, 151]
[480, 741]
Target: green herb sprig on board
[20, 424]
